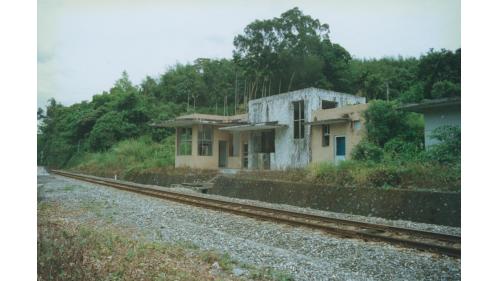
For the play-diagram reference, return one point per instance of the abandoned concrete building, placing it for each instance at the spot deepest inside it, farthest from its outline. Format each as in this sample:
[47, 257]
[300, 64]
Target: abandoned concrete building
[288, 130]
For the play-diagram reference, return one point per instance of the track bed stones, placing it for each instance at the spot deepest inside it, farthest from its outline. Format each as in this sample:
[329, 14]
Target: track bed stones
[305, 254]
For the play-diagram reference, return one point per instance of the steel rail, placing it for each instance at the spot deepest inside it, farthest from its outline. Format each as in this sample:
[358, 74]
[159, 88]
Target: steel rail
[423, 240]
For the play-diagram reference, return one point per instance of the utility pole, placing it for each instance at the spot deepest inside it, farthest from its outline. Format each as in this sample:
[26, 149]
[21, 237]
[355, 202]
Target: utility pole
[387, 90]
[291, 80]
[269, 91]
[225, 105]
[235, 93]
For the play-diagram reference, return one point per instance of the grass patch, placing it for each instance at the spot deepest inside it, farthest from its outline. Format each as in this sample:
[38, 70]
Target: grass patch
[269, 273]
[224, 260]
[366, 174]
[68, 188]
[132, 155]
[75, 251]
[134, 158]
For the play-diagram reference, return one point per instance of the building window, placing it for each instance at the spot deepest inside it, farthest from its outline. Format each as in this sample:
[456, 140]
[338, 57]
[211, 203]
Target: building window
[231, 145]
[267, 141]
[326, 104]
[184, 139]
[298, 119]
[205, 141]
[357, 125]
[245, 155]
[326, 135]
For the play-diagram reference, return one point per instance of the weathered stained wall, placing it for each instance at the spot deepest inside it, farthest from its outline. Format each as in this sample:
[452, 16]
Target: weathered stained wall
[437, 117]
[420, 206]
[290, 152]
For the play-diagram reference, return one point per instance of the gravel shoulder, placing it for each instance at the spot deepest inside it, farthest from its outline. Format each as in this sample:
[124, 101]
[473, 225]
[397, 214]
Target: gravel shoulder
[303, 253]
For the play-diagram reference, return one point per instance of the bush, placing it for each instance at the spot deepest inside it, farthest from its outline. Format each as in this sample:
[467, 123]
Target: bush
[449, 149]
[385, 176]
[398, 149]
[407, 175]
[129, 156]
[367, 151]
[328, 173]
[385, 121]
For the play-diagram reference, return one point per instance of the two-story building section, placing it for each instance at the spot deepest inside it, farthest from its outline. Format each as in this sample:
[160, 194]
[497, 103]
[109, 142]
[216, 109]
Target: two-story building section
[277, 132]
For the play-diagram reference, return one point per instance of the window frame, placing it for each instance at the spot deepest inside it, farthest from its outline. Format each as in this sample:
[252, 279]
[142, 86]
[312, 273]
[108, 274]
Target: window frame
[356, 125]
[325, 135]
[184, 138]
[205, 140]
[298, 119]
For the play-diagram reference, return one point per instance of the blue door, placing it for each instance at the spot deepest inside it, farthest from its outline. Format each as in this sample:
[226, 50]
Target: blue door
[339, 149]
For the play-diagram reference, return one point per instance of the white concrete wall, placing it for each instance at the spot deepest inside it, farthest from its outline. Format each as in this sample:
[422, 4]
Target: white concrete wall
[438, 117]
[290, 152]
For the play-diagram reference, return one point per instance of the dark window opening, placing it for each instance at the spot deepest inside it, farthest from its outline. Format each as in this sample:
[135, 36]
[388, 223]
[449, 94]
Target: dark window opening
[231, 148]
[326, 104]
[205, 141]
[267, 141]
[245, 155]
[326, 135]
[184, 139]
[298, 120]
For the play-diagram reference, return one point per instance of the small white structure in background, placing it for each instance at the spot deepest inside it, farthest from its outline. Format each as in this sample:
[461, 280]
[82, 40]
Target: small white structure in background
[437, 113]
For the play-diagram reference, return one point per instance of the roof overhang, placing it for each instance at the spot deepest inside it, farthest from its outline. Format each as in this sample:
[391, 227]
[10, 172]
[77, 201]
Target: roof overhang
[329, 121]
[431, 104]
[190, 122]
[254, 127]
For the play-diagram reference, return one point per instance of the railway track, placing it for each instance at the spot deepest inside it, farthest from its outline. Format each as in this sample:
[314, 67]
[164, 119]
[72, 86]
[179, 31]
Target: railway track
[411, 238]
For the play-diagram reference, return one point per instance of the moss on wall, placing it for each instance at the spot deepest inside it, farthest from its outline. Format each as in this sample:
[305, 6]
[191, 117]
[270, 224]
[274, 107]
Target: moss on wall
[420, 206]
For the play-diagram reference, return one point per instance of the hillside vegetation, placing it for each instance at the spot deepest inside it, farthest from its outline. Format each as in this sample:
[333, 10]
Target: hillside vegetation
[113, 130]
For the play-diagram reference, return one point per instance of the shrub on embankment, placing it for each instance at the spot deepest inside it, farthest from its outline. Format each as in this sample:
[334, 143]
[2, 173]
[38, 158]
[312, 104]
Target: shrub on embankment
[128, 156]
[360, 174]
[410, 175]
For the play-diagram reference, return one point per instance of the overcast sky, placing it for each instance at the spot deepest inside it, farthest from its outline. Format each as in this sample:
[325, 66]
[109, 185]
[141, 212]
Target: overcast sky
[84, 45]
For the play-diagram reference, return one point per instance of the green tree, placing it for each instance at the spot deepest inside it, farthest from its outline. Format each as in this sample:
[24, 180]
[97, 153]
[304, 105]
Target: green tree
[445, 89]
[385, 121]
[293, 50]
[435, 66]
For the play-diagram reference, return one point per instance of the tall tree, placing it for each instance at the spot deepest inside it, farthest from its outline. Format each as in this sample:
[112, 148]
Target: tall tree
[293, 50]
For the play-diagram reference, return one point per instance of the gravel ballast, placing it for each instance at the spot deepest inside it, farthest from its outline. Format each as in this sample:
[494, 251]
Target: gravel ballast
[303, 253]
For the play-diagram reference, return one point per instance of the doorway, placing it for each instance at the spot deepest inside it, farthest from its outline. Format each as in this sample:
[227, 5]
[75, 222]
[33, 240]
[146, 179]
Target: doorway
[339, 149]
[222, 154]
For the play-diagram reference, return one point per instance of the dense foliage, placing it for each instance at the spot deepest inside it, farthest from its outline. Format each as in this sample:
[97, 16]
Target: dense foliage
[289, 52]
[393, 154]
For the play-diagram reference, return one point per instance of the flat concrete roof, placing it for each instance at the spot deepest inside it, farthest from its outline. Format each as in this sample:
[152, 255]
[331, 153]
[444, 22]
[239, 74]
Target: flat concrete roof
[435, 103]
[254, 127]
[328, 121]
[201, 119]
